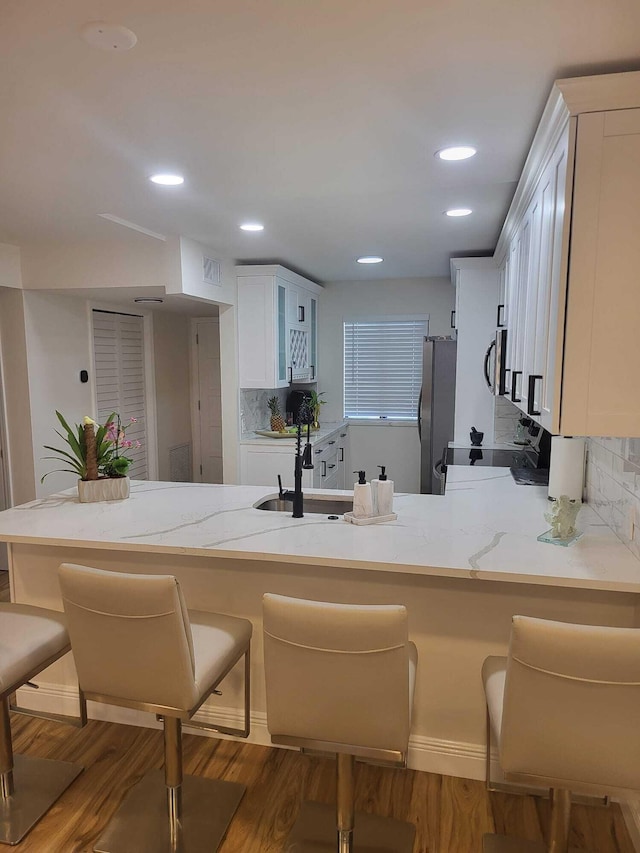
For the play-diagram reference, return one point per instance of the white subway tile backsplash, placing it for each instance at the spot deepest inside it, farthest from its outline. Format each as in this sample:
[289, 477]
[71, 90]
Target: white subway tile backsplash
[613, 485]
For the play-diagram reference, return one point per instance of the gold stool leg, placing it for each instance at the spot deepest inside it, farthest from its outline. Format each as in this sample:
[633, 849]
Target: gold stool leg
[173, 776]
[6, 751]
[560, 820]
[344, 777]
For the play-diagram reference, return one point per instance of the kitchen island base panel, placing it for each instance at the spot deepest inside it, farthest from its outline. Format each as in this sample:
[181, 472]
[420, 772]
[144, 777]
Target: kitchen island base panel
[455, 624]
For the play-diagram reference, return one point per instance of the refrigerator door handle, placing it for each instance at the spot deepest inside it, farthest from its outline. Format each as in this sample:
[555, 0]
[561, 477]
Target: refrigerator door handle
[419, 413]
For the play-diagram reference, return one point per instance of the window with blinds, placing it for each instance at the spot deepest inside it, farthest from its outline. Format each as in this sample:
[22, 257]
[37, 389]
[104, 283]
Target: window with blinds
[383, 367]
[118, 345]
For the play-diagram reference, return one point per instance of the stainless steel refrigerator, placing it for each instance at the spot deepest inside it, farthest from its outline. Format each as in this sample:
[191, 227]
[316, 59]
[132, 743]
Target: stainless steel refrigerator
[436, 408]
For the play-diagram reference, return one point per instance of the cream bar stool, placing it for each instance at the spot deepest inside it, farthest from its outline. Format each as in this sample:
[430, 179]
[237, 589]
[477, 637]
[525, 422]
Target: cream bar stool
[340, 678]
[135, 645]
[564, 709]
[31, 638]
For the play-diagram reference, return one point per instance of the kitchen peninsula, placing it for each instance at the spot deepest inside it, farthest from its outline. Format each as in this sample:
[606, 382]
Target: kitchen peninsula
[463, 564]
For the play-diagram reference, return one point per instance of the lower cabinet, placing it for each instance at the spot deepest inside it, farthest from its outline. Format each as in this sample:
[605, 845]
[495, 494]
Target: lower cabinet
[260, 465]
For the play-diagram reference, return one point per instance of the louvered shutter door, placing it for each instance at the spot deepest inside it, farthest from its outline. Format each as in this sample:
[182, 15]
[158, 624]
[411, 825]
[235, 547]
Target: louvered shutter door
[118, 342]
[383, 368]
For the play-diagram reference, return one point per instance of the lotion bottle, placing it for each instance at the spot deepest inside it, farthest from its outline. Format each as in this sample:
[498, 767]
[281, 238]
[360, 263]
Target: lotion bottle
[362, 506]
[382, 493]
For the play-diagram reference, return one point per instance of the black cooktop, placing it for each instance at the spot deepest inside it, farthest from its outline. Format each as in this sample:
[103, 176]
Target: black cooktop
[521, 462]
[492, 458]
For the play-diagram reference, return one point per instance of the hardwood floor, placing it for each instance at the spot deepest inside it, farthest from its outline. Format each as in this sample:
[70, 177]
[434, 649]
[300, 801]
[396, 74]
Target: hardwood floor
[450, 814]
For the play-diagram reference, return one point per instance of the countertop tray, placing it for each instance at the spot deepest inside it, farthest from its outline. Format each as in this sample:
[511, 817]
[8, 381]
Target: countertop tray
[267, 433]
[376, 519]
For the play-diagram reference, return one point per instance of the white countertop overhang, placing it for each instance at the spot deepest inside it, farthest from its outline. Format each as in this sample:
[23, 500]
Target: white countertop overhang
[484, 528]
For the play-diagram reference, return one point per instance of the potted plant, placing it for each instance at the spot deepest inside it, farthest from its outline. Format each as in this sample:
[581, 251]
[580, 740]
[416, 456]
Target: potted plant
[94, 455]
[314, 404]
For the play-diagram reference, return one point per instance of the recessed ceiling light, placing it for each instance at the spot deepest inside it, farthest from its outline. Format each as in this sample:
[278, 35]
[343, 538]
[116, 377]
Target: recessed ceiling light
[459, 211]
[456, 152]
[251, 226]
[370, 260]
[167, 180]
[155, 300]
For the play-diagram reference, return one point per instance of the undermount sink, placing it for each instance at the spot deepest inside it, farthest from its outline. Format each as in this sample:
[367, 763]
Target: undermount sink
[313, 505]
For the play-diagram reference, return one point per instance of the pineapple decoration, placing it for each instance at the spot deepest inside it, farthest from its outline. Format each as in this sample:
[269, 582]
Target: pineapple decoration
[277, 421]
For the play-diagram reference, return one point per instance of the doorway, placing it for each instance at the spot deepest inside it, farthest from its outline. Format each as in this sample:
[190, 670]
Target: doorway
[206, 401]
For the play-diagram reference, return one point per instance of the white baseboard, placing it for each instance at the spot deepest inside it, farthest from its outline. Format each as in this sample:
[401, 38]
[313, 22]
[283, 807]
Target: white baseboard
[433, 755]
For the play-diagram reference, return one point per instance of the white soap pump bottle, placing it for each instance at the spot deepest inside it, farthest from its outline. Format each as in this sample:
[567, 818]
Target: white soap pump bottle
[382, 493]
[362, 505]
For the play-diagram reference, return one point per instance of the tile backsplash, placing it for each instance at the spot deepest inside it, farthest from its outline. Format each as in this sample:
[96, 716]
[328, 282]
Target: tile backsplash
[505, 420]
[613, 485]
[254, 411]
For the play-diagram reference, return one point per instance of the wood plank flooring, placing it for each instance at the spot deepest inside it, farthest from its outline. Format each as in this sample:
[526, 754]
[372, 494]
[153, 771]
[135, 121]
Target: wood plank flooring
[450, 814]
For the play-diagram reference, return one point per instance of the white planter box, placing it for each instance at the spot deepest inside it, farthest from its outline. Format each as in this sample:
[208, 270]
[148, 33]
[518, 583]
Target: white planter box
[107, 489]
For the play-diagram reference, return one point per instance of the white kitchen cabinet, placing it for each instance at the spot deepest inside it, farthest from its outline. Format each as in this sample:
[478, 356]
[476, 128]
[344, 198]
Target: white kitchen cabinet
[262, 461]
[277, 327]
[569, 253]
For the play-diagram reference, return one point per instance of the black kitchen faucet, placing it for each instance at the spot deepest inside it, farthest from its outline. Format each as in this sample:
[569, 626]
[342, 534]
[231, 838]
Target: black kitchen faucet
[303, 462]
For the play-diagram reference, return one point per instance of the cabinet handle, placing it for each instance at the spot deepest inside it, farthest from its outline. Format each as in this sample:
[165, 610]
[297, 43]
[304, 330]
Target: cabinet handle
[531, 410]
[499, 320]
[514, 379]
[341, 455]
[343, 435]
[324, 469]
[319, 450]
[300, 313]
[290, 374]
[331, 466]
[453, 319]
[313, 371]
[332, 442]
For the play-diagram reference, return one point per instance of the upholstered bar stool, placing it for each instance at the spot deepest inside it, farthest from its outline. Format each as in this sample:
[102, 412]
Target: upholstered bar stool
[563, 708]
[340, 678]
[135, 645]
[31, 638]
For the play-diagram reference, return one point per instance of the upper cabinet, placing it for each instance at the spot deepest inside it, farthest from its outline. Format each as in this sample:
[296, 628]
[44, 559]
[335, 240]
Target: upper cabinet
[277, 327]
[568, 255]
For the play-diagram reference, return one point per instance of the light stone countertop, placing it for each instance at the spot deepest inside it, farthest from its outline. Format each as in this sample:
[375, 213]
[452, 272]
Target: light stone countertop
[485, 527]
[325, 431]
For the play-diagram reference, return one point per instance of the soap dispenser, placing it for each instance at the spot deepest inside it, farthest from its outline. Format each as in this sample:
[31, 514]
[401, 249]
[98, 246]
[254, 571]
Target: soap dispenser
[382, 493]
[362, 506]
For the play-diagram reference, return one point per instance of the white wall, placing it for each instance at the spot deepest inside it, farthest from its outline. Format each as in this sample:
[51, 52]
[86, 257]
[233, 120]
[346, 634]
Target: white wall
[476, 317]
[371, 445]
[132, 261]
[10, 269]
[15, 381]
[173, 399]
[58, 348]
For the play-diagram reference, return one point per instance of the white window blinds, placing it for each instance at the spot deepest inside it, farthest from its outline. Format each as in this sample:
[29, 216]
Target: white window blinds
[383, 367]
[118, 344]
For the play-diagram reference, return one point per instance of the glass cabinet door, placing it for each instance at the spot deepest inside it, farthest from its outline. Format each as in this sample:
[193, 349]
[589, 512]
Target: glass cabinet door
[282, 333]
[313, 343]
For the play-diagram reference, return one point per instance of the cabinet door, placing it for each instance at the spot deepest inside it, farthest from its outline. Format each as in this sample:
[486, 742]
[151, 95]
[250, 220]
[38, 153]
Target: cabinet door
[298, 307]
[600, 384]
[313, 339]
[530, 285]
[514, 365]
[549, 308]
[344, 463]
[300, 369]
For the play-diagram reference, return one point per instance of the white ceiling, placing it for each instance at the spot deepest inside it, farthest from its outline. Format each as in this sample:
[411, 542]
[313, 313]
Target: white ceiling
[319, 119]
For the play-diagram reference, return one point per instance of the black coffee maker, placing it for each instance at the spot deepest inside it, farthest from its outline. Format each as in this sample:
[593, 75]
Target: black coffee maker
[295, 400]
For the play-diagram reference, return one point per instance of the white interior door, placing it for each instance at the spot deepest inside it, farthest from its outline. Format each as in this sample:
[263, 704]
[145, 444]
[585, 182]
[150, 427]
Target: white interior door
[118, 345]
[207, 403]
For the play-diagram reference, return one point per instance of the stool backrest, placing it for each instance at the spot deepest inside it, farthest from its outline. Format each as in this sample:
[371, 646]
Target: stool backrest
[572, 704]
[337, 673]
[130, 636]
